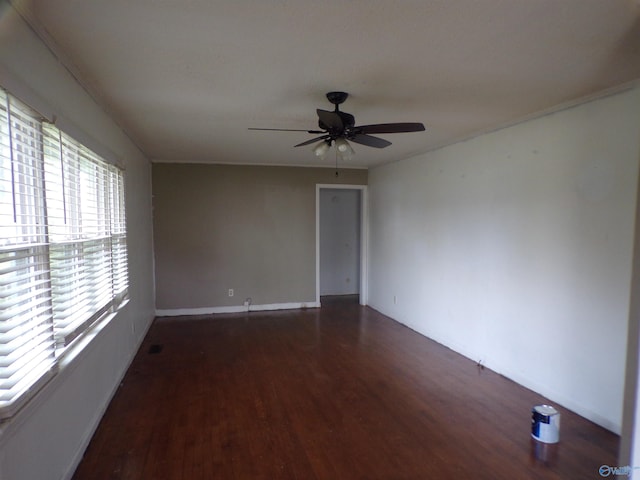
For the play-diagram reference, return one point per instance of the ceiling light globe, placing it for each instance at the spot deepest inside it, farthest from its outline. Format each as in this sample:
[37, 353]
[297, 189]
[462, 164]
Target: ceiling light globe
[321, 149]
[342, 145]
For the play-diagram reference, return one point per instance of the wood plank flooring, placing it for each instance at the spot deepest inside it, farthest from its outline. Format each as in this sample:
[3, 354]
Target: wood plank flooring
[340, 392]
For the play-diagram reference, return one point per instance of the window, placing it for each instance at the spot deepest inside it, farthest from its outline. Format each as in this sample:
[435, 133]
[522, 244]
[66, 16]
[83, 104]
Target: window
[63, 249]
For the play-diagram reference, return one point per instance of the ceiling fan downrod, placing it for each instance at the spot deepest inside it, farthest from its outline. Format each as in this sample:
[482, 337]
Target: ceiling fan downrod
[337, 98]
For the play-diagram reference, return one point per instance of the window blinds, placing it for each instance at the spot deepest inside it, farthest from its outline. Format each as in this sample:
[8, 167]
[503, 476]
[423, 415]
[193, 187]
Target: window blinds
[63, 251]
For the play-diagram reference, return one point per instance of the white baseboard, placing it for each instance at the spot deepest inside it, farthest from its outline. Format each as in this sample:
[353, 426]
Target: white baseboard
[175, 312]
[93, 426]
[522, 380]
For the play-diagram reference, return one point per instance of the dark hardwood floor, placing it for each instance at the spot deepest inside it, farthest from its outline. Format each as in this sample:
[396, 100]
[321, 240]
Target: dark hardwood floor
[340, 392]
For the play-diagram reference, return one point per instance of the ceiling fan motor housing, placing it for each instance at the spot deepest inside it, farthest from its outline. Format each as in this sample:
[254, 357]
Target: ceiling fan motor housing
[347, 122]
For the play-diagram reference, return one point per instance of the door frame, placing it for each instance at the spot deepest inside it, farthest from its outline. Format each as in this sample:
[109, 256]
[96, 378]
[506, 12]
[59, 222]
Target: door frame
[364, 237]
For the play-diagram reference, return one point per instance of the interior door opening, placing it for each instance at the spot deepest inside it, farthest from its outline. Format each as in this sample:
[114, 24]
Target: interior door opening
[340, 241]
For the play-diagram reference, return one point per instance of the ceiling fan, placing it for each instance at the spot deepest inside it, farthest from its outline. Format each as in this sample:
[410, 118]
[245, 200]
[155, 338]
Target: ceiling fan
[338, 127]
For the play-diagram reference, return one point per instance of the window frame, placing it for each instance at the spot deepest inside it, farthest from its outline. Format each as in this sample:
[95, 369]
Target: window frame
[68, 250]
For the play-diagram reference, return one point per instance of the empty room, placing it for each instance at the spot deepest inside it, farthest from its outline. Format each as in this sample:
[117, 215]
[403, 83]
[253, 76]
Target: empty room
[319, 240]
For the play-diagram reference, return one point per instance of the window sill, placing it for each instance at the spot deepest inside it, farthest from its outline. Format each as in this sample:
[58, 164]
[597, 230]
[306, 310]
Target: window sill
[67, 363]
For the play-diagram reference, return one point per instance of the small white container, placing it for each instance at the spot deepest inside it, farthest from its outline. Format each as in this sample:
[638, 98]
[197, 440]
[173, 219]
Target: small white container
[545, 424]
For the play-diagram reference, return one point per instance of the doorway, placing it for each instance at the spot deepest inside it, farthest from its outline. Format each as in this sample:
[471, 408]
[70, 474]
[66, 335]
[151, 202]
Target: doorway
[341, 243]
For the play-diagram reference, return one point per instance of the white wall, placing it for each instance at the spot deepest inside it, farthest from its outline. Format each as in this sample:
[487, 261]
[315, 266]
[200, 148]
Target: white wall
[515, 248]
[46, 439]
[339, 242]
[629, 452]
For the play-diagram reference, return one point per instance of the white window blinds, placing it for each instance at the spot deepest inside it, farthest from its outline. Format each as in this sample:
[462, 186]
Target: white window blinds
[63, 251]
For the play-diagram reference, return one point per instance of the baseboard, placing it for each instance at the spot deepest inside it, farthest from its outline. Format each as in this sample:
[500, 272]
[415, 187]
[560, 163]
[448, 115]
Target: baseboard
[541, 389]
[176, 312]
[522, 380]
[84, 444]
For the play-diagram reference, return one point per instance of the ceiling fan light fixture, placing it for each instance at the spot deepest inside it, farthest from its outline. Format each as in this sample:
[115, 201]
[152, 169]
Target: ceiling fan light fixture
[343, 146]
[321, 149]
[345, 157]
[345, 151]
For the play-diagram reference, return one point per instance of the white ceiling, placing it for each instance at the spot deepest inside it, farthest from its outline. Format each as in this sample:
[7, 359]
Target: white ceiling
[186, 78]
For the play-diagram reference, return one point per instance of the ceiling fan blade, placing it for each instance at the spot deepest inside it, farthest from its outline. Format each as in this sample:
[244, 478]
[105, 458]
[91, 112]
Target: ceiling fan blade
[313, 140]
[330, 120]
[390, 128]
[370, 141]
[286, 130]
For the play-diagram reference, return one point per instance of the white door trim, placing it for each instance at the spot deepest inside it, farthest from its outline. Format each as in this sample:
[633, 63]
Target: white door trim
[364, 237]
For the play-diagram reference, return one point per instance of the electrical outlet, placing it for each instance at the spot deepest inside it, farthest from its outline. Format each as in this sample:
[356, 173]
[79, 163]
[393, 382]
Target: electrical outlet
[231, 292]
